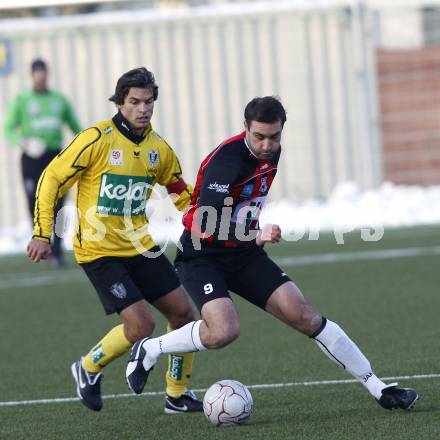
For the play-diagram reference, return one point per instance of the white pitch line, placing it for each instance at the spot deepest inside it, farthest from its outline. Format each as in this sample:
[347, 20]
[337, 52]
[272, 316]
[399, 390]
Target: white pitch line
[336, 257]
[51, 272]
[28, 279]
[202, 390]
[42, 279]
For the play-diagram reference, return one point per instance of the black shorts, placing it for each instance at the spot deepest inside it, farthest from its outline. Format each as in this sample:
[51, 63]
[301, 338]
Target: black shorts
[122, 281]
[250, 274]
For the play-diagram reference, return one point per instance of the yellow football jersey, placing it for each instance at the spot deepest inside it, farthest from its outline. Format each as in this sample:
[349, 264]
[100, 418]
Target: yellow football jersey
[115, 177]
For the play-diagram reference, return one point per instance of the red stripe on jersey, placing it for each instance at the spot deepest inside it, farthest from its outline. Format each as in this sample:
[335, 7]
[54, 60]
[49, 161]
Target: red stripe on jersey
[256, 174]
[188, 216]
[177, 187]
[226, 142]
[230, 244]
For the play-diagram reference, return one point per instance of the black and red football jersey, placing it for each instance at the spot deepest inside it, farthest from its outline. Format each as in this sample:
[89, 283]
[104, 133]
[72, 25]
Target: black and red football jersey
[230, 191]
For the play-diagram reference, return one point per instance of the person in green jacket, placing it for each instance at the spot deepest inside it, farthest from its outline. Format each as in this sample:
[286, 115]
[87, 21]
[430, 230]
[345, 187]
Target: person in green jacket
[34, 121]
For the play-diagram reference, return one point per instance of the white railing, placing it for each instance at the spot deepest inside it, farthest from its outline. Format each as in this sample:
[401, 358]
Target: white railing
[319, 57]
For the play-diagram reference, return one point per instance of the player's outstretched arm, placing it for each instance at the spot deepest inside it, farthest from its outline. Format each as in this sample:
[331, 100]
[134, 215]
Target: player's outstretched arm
[62, 172]
[12, 122]
[269, 234]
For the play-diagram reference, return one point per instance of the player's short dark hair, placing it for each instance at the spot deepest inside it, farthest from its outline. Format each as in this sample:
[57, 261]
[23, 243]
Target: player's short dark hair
[267, 109]
[140, 78]
[38, 64]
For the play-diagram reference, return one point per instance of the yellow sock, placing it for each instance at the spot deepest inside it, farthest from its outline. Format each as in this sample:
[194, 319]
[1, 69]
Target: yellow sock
[179, 371]
[111, 346]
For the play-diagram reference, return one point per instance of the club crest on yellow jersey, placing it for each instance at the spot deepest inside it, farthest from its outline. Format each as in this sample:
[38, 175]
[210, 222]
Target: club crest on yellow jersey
[116, 157]
[153, 157]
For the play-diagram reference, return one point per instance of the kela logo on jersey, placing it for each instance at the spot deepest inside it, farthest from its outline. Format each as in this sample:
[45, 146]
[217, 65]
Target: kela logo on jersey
[247, 190]
[116, 157]
[176, 369]
[263, 186]
[119, 190]
[153, 157]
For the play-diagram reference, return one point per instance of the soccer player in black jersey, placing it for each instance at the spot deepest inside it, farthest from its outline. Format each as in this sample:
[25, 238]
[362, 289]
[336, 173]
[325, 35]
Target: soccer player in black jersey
[222, 250]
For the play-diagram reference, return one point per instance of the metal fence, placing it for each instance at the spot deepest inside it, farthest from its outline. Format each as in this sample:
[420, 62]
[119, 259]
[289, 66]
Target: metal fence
[319, 60]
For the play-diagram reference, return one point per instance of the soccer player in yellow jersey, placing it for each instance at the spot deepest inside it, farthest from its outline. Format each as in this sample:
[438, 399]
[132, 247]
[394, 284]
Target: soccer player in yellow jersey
[116, 163]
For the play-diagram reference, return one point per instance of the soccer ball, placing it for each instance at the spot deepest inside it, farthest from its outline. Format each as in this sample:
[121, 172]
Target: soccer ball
[227, 402]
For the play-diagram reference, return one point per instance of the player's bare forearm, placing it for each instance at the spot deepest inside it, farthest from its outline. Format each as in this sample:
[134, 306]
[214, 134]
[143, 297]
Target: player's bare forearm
[38, 250]
[268, 234]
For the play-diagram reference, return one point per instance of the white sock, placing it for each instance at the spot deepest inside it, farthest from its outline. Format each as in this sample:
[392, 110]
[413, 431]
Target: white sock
[334, 342]
[183, 340]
